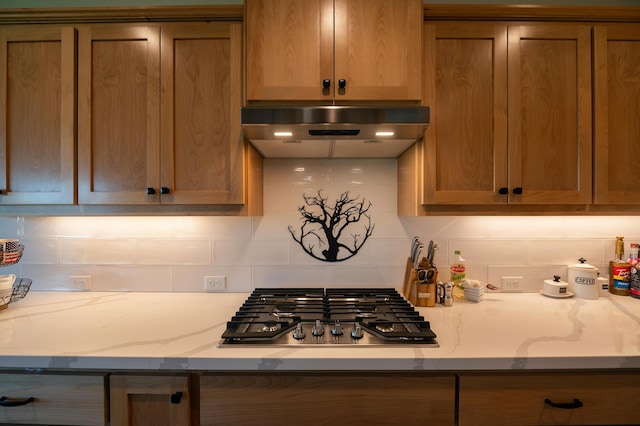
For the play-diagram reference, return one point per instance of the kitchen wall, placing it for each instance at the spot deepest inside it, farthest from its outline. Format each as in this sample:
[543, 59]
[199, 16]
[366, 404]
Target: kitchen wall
[175, 253]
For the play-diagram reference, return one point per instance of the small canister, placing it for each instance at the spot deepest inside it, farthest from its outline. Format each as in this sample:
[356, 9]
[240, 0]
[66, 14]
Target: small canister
[603, 286]
[556, 288]
[583, 280]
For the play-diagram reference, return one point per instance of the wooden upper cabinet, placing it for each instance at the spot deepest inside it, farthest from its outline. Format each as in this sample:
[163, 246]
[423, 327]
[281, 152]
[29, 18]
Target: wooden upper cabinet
[373, 46]
[511, 114]
[37, 115]
[465, 146]
[127, 154]
[118, 114]
[550, 123]
[202, 144]
[616, 103]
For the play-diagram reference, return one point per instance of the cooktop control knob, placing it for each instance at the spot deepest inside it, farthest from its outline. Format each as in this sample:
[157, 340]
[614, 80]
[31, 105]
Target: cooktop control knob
[336, 330]
[299, 333]
[356, 331]
[318, 329]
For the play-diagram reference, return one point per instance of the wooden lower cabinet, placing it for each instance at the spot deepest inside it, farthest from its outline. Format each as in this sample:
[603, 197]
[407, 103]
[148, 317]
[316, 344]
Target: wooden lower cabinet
[336, 398]
[53, 399]
[553, 398]
[150, 400]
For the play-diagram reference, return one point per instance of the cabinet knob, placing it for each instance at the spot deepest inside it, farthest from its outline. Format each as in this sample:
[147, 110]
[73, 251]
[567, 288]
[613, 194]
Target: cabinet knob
[164, 190]
[517, 190]
[326, 84]
[565, 405]
[5, 402]
[342, 83]
[151, 191]
[503, 191]
[176, 397]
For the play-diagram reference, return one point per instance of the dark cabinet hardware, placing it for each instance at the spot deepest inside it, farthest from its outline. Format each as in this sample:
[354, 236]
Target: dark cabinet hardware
[151, 191]
[5, 402]
[164, 190]
[564, 405]
[503, 191]
[176, 397]
[342, 83]
[517, 190]
[326, 84]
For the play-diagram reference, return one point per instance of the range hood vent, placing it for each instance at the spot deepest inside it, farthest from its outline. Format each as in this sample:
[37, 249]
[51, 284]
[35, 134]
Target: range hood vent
[333, 131]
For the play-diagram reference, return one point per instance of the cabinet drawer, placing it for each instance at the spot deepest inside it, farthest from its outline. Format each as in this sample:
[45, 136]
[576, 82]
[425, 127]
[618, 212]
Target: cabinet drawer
[519, 399]
[327, 399]
[57, 399]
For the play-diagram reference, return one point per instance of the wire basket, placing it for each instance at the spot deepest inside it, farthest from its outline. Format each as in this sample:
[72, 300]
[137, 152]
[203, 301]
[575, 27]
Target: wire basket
[20, 289]
[11, 257]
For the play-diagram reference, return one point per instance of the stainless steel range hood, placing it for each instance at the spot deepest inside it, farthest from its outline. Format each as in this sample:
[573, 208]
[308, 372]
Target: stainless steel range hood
[333, 131]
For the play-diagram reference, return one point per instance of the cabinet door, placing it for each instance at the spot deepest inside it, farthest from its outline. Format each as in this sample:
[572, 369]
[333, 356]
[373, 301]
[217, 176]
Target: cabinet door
[616, 101]
[549, 98]
[378, 44]
[289, 49]
[529, 399]
[37, 115]
[295, 45]
[118, 114]
[150, 400]
[202, 145]
[465, 146]
[327, 399]
[53, 399]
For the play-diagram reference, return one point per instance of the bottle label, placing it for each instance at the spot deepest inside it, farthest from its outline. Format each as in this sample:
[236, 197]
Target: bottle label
[620, 277]
[458, 273]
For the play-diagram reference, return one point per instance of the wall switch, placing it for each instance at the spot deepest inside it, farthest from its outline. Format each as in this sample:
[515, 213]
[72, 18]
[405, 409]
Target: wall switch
[511, 284]
[213, 283]
[81, 282]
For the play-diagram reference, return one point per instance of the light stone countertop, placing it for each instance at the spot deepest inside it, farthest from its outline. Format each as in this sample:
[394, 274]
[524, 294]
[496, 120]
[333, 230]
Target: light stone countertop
[180, 331]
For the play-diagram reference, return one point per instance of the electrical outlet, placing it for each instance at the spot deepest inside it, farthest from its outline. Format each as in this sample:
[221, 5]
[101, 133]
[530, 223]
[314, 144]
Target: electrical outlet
[511, 284]
[214, 283]
[81, 282]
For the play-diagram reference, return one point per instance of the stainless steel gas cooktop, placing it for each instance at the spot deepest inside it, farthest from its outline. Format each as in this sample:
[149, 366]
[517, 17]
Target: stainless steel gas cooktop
[327, 317]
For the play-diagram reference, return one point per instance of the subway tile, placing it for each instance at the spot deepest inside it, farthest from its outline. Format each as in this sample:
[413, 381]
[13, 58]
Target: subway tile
[291, 276]
[172, 252]
[95, 251]
[133, 278]
[563, 251]
[215, 228]
[488, 252]
[39, 251]
[369, 276]
[262, 252]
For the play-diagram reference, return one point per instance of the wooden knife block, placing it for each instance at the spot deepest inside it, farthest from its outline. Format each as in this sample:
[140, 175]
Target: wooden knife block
[417, 293]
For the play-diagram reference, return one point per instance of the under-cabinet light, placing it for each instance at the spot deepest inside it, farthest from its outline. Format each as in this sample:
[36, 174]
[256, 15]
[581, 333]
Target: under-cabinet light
[283, 134]
[385, 133]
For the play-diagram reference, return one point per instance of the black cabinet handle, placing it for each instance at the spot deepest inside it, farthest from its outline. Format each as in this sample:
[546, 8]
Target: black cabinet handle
[564, 405]
[326, 84]
[517, 190]
[342, 83]
[151, 191]
[5, 402]
[164, 190]
[176, 397]
[503, 191]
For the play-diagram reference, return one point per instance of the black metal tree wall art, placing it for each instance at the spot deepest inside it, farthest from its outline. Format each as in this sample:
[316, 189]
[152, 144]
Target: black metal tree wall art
[323, 232]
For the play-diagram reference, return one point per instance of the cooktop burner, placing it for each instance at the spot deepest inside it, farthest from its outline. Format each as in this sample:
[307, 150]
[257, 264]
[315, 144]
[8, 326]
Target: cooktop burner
[317, 316]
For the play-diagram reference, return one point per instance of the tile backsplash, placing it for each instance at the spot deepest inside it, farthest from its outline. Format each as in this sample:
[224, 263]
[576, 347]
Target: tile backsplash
[175, 253]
